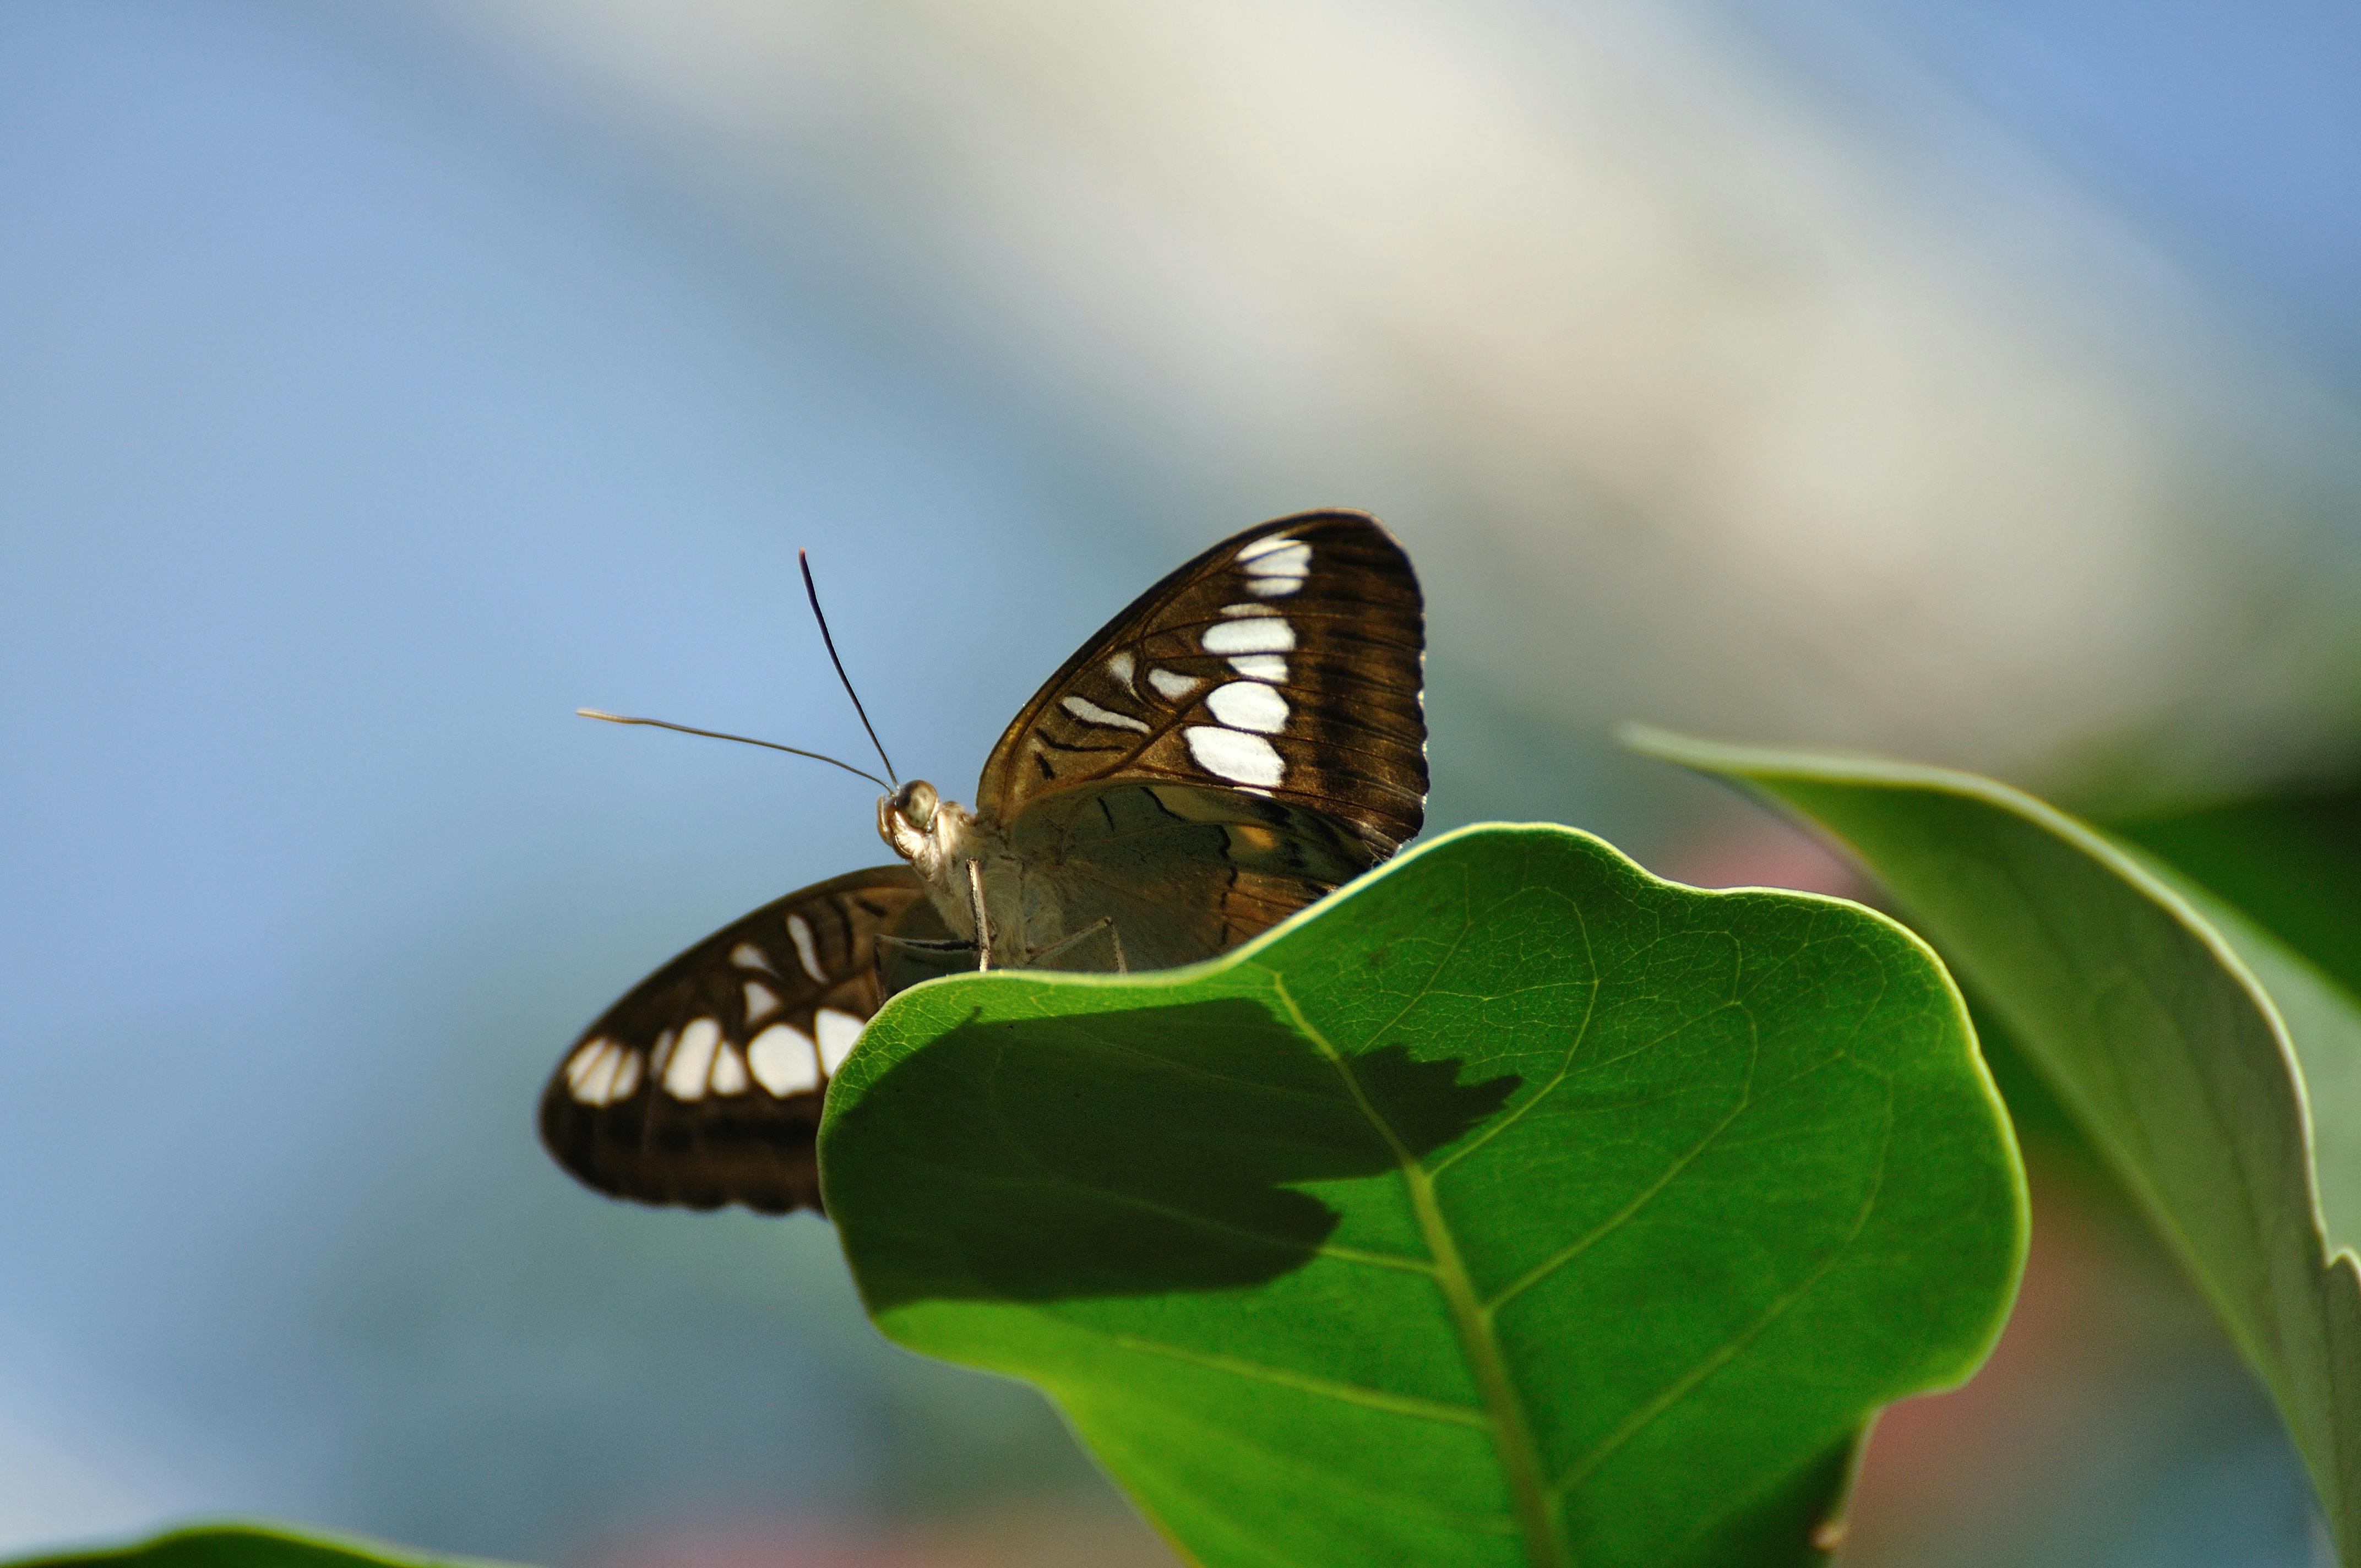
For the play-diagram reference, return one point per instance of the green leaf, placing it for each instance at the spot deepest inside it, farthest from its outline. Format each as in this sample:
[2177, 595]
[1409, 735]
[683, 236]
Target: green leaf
[1512, 1206]
[2181, 1036]
[243, 1546]
[2290, 862]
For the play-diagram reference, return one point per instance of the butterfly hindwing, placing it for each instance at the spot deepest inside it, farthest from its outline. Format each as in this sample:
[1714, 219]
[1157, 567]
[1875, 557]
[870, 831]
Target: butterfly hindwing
[1182, 871]
[1285, 662]
[703, 1085]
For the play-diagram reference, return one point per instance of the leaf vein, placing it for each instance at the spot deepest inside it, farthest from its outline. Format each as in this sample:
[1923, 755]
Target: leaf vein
[1639, 1201]
[1688, 1382]
[1512, 1437]
[1285, 1377]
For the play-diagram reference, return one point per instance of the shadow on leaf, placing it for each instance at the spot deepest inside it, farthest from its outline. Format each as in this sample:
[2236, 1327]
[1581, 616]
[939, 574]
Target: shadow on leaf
[1131, 1153]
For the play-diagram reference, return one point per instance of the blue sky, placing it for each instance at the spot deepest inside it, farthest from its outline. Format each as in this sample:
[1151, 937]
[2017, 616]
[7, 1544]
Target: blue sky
[360, 416]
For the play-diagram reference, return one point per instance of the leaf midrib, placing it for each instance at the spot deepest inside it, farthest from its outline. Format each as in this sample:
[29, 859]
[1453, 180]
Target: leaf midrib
[1512, 1438]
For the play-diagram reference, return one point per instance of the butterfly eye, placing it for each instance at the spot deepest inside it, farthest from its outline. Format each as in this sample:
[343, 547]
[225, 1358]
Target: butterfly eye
[916, 802]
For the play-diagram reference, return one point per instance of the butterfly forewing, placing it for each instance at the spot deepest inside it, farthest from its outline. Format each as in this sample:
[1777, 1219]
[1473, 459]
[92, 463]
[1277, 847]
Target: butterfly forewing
[703, 1085]
[1284, 662]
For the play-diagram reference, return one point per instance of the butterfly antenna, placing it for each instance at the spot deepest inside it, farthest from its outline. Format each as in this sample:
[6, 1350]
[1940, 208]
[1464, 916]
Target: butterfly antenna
[812, 594]
[720, 735]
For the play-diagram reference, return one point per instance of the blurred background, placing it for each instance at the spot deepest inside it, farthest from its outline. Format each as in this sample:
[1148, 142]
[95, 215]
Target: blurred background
[377, 383]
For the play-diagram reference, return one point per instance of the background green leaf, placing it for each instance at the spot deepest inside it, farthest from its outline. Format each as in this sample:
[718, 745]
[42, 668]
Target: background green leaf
[1513, 1206]
[2180, 1035]
[246, 1546]
[2290, 862]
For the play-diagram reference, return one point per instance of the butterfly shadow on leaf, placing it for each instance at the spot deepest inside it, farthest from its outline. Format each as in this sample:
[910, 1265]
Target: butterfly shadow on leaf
[1157, 1150]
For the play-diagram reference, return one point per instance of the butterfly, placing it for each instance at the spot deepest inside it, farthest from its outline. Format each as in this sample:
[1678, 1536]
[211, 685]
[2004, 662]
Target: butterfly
[1245, 737]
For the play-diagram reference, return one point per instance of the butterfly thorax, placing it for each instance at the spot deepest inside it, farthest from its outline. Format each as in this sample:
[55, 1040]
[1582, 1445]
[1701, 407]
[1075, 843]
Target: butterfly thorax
[942, 839]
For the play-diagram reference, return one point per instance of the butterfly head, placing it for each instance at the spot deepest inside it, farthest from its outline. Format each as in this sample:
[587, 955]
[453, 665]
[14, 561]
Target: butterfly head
[921, 826]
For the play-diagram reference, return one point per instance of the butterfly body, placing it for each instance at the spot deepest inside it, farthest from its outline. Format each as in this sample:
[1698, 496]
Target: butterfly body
[971, 873]
[1243, 738]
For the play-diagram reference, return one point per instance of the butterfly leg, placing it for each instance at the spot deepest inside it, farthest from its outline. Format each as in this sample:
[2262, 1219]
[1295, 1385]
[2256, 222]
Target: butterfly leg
[1103, 923]
[911, 944]
[983, 921]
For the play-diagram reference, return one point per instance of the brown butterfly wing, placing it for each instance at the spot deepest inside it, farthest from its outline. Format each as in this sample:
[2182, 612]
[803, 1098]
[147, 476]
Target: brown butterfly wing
[1284, 664]
[703, 1085]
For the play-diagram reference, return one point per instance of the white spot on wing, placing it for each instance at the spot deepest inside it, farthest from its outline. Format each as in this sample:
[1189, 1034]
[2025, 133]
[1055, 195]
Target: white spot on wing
[1247, 609]
[728, 1071]
[577, 1066]
[692, 1060]
[1249, 705]
[799, 931]
[746, 955]
[785, 1061]
[1241, 759]
[1261, 667]
[761, 1001]
[837, 1031]
[1276, 557]
[1262, 634]
[1274, 567]
[1172, 686]
[600, 1074]
[1088, 712]
[1119, 666]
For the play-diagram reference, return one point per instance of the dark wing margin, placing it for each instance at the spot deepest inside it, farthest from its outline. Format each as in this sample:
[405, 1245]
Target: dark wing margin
[1286, 662]
[703, 1085]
